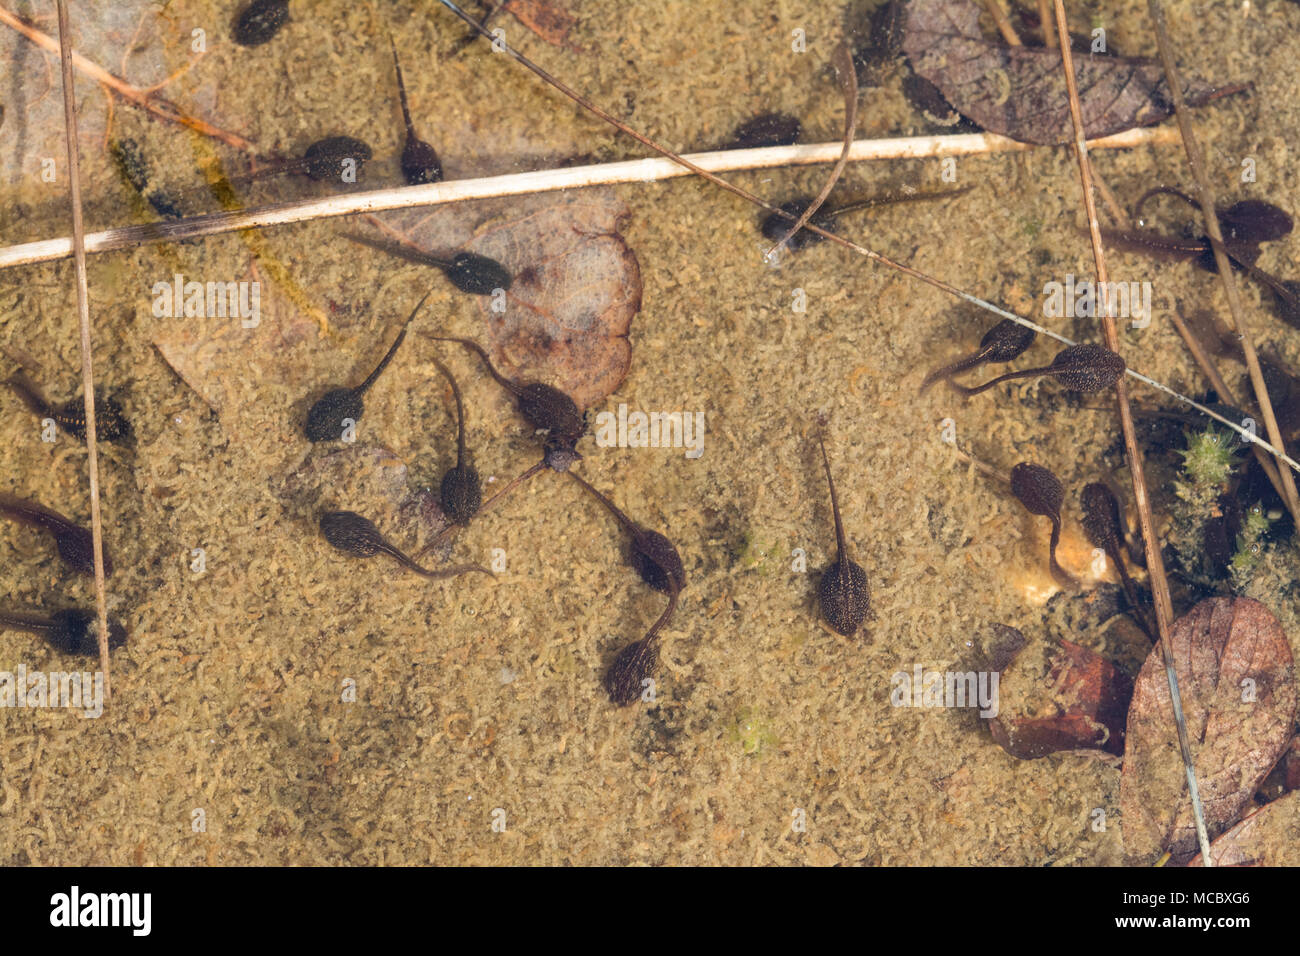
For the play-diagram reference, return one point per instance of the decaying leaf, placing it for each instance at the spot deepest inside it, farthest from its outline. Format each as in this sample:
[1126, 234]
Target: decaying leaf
[1060, 696]
[1237, 683]
[1020, 91]
[576, 286]
[550, 20]
[1268, 836]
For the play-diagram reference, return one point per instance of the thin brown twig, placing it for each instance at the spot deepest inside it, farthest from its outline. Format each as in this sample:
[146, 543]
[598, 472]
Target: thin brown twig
[1045, 20]
[1205, 193]
[849, 81]
[83, 313]
[145, 99]
[1004, 25]
[1155, 559]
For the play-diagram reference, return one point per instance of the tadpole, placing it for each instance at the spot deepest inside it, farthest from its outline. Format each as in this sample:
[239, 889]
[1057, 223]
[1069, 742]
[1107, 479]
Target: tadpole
[326, 416]
[420, 162]
[467, 271]
[72, 630]
[1244, 224]
[656, 560]
[767, 129]
[1004, 342]
[260, 21]
[1086, 367]
[357, 535]
[654, 557]
[776, 224]
[74, 543]
[110, 424]
[1102, 525]
[461, 491]
[1041, 492]
[544, 407]
[843, 593]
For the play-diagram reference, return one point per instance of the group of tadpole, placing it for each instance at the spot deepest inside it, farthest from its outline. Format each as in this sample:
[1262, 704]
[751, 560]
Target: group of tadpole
[844, 593]
[1090, 368]
[550, 413]
[72, 630]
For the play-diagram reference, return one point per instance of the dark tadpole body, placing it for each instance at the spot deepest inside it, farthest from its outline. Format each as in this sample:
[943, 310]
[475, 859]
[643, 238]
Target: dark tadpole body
[110, 424]
[74, 543]
[72, 631]
[545, 408]
[419, 161]
[843, 592]
[1103, 526]
[1004, 342]
[1080, 368]
[325, 418]
[769, 129]
[329, 158]
[659, 565]
[654, 557]
[1042, 493]
[467, 271]
[461, 490]
[357, 535]
[261, 20]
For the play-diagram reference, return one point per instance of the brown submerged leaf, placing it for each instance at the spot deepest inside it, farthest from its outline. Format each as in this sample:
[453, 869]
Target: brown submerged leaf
[576, 286]
[1020, 91]
[1265, 837]
[1237, 683]
[1060, 696]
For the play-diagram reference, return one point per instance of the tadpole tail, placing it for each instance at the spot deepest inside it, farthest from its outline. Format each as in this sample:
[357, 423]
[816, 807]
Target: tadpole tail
[1269, 281]
[31, 396]
[401, 90]
[961, 365]
[400, 250]
[623, 519]
[451, 572]
[652, 635]
[1023, 373]
[392, 349]
[473, 346]
[460, 411]
[1163, 191]
[21, 621]
[1062, 576]
[835, 504]
[1130, 593]
[35, 515]
[892, 200]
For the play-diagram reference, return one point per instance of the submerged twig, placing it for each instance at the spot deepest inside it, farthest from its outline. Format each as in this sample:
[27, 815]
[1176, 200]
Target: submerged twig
[644, 170]
[1205, 193]
[849, 82]
[83, 313]
[145, 99]
[1155, 559]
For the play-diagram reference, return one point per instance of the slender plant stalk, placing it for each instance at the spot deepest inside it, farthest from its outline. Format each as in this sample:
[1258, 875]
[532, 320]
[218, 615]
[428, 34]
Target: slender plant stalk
[628, 171]
[145, 99]
[1205, 193]
[1155, 560]
[1004, 25]
[83, 313]
[849, 80]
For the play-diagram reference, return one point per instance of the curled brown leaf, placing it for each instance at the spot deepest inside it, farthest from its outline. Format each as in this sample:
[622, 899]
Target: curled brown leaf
[1237, 683]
